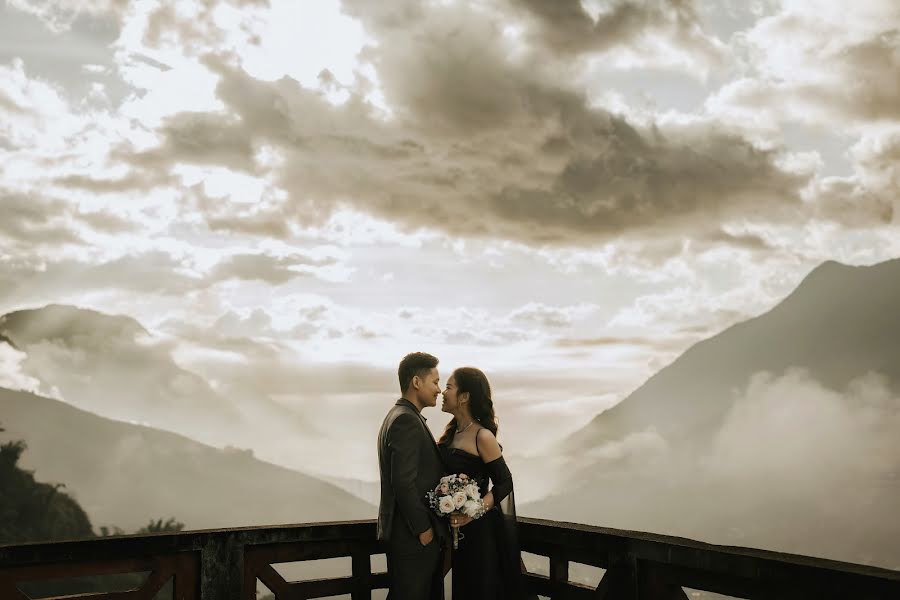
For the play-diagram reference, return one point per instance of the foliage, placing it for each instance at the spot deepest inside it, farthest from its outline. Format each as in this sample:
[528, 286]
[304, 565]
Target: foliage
[170, 526]
[32, 511]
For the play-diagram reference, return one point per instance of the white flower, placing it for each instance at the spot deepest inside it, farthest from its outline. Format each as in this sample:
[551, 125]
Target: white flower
[446, 505]
[445, 479]
[459, 498]
[472, 491]
[444, 488]
[452, 479]
[471, 507]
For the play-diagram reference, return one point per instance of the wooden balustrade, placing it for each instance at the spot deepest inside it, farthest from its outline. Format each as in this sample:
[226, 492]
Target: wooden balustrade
[225, 564]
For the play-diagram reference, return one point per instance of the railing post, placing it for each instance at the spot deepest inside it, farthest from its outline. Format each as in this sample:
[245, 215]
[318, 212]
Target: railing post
[559, 573]
[622, 577]
[222, 568]
[361, 565]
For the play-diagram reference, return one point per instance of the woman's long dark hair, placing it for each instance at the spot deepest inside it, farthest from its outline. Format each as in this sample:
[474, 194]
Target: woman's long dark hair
[473, 381]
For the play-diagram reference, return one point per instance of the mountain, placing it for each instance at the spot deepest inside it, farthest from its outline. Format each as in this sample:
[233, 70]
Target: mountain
[780, 432]
[123, 474]
[111, 365]
[840, 323]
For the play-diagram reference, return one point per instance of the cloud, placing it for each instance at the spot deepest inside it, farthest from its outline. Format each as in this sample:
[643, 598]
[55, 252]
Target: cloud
[820, 62]
[795, 467]
[558, 172]
[789, 430]
[263, 267]
[669, 345]
[649, 33]
[12, 375]
[34, 223]
[543, 316]
[59, 15]
[36, 115]
[871, 195]
[36, 279]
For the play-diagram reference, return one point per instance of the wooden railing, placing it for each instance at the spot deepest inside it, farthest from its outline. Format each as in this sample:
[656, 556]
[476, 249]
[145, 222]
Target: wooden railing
[225, 564]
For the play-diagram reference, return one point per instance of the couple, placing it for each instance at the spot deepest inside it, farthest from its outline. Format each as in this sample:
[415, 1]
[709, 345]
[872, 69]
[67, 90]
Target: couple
[487, 564]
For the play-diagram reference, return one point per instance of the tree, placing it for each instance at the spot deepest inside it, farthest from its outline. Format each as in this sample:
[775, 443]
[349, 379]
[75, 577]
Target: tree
[33, 511]
[170, 526]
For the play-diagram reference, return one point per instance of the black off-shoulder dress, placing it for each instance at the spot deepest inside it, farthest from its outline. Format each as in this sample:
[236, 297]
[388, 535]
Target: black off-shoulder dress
[487, 565]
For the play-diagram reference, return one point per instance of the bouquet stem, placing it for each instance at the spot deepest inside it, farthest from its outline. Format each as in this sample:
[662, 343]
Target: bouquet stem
[455, 538]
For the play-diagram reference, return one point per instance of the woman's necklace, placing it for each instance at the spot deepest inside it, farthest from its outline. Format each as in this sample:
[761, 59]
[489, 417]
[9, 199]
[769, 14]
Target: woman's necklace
[458, 431]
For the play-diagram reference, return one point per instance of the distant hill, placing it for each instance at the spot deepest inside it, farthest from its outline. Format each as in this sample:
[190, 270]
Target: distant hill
[112, 366]
[122, 473]
[840, 323]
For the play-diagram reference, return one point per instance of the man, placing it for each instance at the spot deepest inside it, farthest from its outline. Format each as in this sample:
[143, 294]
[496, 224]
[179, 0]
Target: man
[410, 466]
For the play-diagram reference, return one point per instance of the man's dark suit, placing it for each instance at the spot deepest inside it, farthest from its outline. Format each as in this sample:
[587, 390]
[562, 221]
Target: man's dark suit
[410, 466]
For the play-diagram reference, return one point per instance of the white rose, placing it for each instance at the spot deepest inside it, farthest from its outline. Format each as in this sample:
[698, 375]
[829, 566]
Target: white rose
[472, 491]
[446, 505]
[471, 508]
[459, 498]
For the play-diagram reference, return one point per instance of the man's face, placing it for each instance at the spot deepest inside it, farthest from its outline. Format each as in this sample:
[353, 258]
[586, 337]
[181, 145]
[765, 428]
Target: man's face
[429, 387]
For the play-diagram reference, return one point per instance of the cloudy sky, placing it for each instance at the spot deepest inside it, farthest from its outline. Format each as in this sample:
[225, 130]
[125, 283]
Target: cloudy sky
[566, 194]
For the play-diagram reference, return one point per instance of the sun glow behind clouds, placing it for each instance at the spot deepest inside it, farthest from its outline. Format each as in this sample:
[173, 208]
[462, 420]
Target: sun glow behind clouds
[314, 43]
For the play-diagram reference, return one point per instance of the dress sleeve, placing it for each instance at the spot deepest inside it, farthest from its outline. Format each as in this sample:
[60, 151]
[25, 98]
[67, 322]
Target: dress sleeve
[501, 478]
[506, 530]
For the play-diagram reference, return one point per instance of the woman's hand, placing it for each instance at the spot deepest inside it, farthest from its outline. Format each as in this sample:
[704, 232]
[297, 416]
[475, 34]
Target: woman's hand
[458, 521]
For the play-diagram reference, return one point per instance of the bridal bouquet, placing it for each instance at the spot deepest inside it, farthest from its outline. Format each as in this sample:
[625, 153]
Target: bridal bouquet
[456, 494]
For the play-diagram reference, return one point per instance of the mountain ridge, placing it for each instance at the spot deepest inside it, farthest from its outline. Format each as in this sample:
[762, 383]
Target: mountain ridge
[167, 473]
[753, 349]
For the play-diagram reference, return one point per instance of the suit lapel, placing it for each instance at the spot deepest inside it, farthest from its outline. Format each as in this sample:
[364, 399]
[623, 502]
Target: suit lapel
[411, 406]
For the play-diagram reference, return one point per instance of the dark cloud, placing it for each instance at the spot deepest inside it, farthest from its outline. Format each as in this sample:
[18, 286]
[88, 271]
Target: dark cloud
[856, 87]
[606, 341]
[542, 315]
[106, 222]
[197, 138]
[478, 134]
[36, 221]
[262, 267]
[264, 218]
[566, 28]
[154, 272]
[135, 180]
[747, 241]
[872, 95]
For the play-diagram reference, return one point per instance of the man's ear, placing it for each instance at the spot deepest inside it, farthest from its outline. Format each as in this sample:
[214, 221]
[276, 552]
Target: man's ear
[416, 382]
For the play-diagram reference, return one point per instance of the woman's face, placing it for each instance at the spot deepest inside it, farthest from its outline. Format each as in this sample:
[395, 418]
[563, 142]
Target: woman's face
[450, 404]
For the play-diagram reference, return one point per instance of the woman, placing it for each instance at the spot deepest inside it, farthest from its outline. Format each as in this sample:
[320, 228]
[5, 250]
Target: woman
[487, 564]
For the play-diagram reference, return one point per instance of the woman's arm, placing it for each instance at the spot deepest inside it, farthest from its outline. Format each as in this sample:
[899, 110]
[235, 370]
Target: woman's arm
[490, 452]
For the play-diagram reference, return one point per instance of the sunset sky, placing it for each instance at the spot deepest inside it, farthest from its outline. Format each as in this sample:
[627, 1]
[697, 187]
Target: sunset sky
[292, 194]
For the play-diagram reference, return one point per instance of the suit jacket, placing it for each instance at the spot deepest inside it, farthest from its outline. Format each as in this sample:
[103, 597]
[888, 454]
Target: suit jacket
[410, 465]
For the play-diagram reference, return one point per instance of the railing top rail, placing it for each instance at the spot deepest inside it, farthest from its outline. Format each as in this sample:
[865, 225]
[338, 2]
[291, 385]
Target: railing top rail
[669, 550]
[678, 551]
[164, 543]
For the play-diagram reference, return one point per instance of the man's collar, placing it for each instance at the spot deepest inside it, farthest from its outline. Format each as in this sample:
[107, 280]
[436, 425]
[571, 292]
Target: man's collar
[405, 402]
